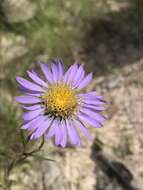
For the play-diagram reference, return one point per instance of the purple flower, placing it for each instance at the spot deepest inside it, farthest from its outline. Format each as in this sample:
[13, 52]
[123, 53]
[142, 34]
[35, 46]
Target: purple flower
[55, 105]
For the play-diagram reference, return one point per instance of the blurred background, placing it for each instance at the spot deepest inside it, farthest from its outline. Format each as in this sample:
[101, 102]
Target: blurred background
[105, 35]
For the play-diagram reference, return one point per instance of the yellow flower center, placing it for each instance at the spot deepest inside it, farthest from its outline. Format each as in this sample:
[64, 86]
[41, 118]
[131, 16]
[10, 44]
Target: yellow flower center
[60, 101]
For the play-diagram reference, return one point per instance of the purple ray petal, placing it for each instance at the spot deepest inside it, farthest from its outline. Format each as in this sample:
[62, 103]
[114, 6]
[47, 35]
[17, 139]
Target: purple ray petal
[25, 90]
[53, 129]
[72, 74]
[34, 94]
[100, 98]
[38, 124]
[97, 108]
[89, 120]
[33, 124]
[88, 94]
[73, 134]
[42, 128]
[93, 99]
[37, 79]
[60, 68]
[58, 135]
[69, 75]
[55, 73]
[46, 72]
[93, 102]
[85, 81]
[96, 116]
[32, 114]
[78, 76]
[83, 129]
[35, 73]
[30, 92]
[28, 99]
[29, 85]
[31, 108]
[64, 134]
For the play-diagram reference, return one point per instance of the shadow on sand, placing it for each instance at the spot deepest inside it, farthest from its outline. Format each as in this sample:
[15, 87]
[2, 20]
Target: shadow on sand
[110, 175]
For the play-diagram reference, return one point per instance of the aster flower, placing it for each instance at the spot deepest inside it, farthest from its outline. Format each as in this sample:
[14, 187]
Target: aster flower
[55, 105]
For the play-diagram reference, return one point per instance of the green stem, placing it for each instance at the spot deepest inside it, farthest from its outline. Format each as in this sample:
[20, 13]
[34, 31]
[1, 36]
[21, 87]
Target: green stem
[20, 159]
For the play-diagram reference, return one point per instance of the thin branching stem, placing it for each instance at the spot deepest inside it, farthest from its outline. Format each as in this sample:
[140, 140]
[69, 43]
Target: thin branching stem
[23, 156]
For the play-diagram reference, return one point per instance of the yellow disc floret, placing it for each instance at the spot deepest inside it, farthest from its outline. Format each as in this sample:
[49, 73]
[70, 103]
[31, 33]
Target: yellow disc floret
[60, 101]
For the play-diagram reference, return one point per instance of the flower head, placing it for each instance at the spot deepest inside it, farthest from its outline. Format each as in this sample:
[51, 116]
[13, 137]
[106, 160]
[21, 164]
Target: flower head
[55, 105]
